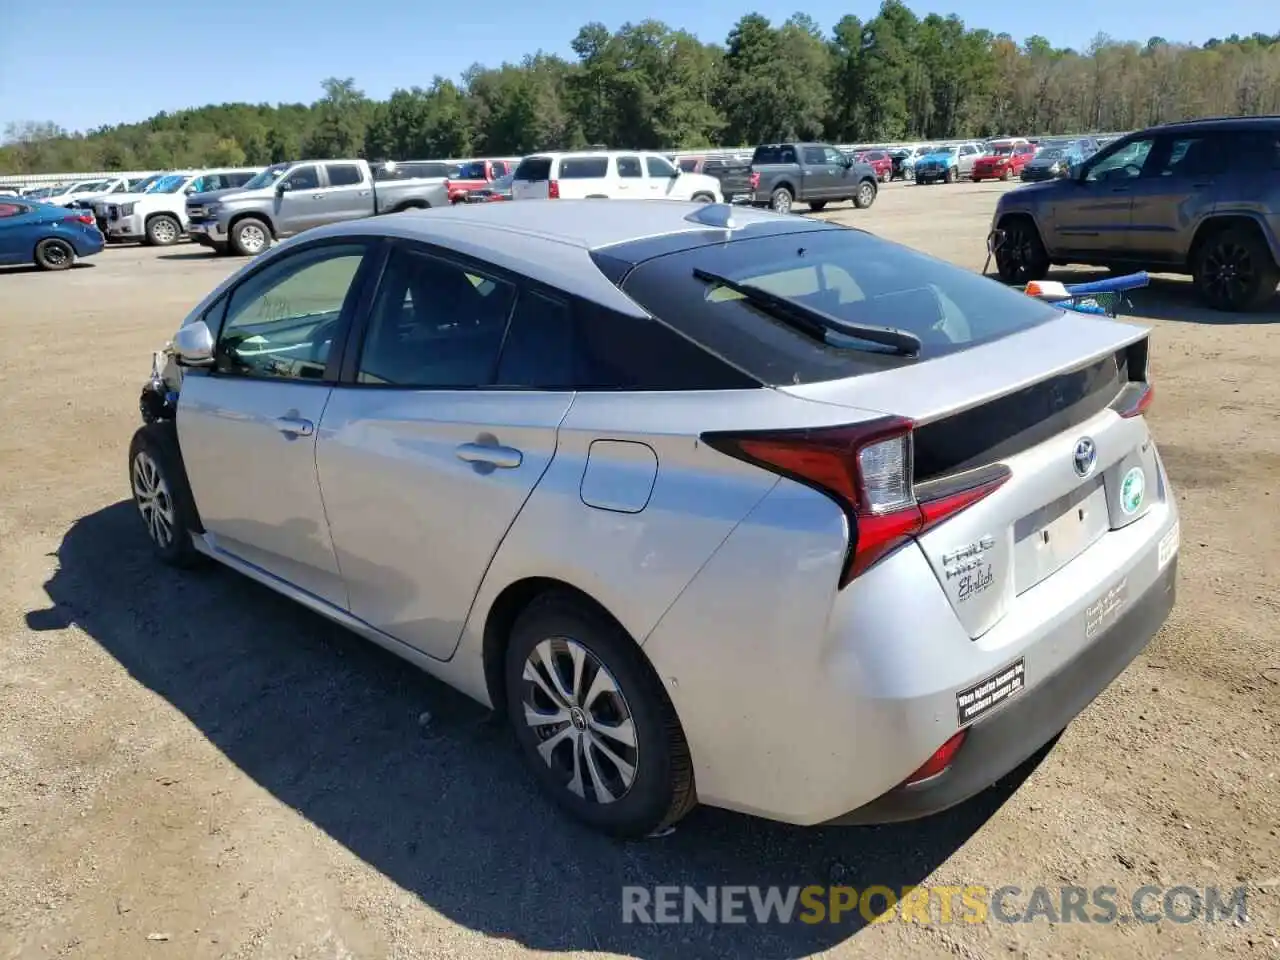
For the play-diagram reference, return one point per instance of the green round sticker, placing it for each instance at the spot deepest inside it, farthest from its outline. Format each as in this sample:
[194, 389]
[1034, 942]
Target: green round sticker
[1132, 487]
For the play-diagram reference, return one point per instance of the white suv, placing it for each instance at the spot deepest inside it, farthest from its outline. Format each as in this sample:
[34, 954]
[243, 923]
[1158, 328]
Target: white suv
[609, 175]
[159, 216]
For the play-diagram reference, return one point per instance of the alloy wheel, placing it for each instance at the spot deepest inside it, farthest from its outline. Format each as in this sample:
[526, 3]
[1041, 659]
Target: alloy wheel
[155, 503]
[581, 719]
[164, 231]
[866, 194]
[55, 254]
[1229, 274]
[252, 238]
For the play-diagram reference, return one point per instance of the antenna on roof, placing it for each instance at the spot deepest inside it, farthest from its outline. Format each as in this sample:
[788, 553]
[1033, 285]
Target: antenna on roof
[714, 215]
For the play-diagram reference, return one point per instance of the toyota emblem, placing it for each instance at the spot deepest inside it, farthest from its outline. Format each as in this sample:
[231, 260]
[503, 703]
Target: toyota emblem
[1085, 456]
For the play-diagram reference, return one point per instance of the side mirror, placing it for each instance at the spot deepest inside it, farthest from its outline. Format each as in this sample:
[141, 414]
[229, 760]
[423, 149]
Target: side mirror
[193, 345]
[848, 162]
[283, 186]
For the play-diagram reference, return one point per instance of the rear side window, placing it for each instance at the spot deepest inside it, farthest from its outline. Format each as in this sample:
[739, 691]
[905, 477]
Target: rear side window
[774, 153]
[534, 169]
[555, 344]
[847, 273]
[343, 174]
[690, 164]
[629, 167]
[11, 210]
[583, 168]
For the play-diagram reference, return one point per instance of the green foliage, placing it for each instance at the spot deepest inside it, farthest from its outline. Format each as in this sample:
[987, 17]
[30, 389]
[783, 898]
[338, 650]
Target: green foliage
[646, 85]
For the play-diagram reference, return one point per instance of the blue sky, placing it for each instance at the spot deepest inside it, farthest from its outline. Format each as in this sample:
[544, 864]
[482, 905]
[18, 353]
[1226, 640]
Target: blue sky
[82, 63]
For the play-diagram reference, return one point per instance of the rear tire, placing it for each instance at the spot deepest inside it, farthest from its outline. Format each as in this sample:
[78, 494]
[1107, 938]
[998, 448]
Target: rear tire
[1232, 270]
[703, 198]
[249, 237]
[866, 194]
[1022, 257]
[628, 789]
[781, 200]
[162, 495]
[163, 231]
[54, 254]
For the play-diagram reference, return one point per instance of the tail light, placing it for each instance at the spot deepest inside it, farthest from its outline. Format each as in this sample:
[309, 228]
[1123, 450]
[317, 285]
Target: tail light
[1138, 400]
[85, 218]
[941, 759]
[553, 189]
[753, 181]
[866, 469]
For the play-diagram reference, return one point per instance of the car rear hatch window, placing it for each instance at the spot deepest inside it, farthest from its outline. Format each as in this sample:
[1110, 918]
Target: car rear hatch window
[846, 274]
[534, 169]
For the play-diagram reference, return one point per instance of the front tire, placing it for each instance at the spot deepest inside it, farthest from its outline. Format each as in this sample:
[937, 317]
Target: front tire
[703, 198]
[593, 722]
[950, 175]
[1233, 271]
[162, 495]
[163, 231]
[865, 196]
[781, 200]
[55, 254]
[249, 237]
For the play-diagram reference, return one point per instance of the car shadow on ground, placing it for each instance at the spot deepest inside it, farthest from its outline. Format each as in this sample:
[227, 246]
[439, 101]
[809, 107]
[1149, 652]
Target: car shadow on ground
[332, 726]
[192, 253]
[32, 268]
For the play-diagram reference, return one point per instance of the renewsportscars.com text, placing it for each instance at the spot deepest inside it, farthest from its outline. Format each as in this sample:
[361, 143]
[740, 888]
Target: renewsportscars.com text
[970, 904]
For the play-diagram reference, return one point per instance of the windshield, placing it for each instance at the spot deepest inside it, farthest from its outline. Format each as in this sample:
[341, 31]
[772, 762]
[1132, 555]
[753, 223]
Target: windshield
[1049, 153]
[1001, 151]
[851, 275]
[471, 171]
[90, 187]
[267, 177]
[169, 184]
[945, 151]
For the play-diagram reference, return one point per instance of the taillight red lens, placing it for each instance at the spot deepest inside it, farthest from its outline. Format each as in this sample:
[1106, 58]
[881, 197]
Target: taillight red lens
[941, 759]
[553, 189]
[85, 218]
[1141, 404]
[866, 469]
[754, 181]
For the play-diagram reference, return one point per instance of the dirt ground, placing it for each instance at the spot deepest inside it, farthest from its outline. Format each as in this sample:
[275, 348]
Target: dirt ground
[192, 767]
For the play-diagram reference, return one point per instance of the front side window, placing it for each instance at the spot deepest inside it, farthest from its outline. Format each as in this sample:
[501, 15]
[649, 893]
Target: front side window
[1126, 163]
[434, 324]
[281, 321]
[304, 178]
[660, 167]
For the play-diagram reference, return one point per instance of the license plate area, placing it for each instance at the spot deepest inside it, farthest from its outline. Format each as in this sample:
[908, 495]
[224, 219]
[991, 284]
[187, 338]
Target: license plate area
[1048, 539]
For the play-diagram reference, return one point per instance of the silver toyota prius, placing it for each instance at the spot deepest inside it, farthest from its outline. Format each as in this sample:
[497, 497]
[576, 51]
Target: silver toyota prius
[715, 505]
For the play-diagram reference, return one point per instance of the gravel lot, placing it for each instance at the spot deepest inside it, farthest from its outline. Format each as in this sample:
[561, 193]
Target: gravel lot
[191, 767]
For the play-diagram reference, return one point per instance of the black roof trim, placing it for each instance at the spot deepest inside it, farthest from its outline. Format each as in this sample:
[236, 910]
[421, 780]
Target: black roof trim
[635, 252]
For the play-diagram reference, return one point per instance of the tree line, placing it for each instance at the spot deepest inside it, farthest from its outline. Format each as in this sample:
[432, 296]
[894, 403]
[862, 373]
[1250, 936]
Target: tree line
[895, 76]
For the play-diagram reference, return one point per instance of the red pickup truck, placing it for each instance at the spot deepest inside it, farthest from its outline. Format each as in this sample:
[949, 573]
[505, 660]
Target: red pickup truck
[476, 175]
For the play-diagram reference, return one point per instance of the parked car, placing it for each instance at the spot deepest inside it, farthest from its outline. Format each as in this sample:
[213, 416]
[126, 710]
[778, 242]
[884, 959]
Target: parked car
[476, 175]
[288, 198]
[780, 174]
[618, 469]
[609, 174]
[1003, 160]
[904, 161]
[498, 190]
[158, 217]
[948, 163]
[880, 162]
[1200, 198]
[48, 235]
[71, 192]
[1052, 161]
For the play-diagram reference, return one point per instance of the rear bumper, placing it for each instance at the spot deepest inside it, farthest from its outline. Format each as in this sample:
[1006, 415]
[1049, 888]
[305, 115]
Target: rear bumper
[997, 745]
[809, 705]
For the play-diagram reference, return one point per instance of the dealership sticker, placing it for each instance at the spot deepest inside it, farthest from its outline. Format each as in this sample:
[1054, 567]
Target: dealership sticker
[1132, 488]
[986, 695]
[1168, 546]
[1105, 611]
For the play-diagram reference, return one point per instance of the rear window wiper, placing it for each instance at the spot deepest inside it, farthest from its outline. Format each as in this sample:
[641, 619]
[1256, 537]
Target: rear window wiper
[816, 323]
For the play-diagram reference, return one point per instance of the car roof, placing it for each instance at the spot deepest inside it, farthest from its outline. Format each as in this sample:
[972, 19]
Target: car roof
[1216, 123]
[551, 241]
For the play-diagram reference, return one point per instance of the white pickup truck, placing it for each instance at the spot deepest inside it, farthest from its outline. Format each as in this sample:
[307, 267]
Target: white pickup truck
[159, 216]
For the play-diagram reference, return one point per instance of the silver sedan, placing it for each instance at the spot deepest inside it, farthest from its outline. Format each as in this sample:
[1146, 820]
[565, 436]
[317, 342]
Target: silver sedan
[716, 505]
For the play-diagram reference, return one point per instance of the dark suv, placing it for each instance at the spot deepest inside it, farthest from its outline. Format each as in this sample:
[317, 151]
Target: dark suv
[1201, 198]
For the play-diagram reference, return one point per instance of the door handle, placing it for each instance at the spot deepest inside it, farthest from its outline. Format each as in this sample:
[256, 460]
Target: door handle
[295, 426]
[317, 196]
[505, 457]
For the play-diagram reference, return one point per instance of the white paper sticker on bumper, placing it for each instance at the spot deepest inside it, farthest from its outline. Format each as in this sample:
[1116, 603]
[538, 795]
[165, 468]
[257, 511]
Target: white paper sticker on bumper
[1168, 546]
[1105, 611]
